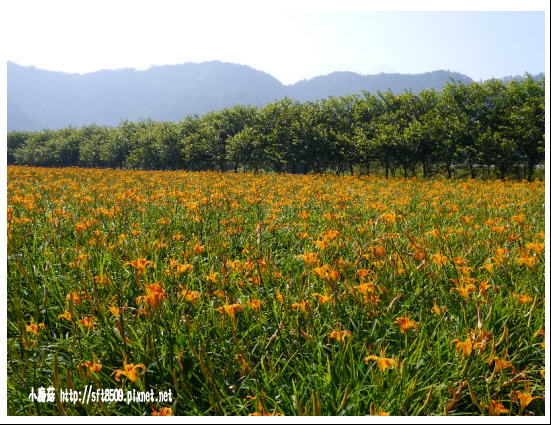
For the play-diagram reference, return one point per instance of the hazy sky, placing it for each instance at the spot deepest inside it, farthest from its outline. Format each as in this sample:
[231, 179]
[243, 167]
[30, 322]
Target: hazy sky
[289, 40]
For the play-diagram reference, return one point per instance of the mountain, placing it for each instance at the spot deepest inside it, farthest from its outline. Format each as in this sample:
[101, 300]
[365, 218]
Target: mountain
[39, 98]
[537, 77]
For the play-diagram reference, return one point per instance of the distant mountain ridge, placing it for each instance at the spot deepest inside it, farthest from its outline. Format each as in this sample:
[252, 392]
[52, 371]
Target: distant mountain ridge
[47, 99]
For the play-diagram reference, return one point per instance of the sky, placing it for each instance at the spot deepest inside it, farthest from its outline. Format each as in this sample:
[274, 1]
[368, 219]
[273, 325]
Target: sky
[290, 40]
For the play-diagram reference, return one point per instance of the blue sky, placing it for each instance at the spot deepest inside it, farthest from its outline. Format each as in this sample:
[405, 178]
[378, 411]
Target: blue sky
[289, 40]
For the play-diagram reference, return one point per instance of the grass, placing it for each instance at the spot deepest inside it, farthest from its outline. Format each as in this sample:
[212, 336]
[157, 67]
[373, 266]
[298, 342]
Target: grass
[275, 294]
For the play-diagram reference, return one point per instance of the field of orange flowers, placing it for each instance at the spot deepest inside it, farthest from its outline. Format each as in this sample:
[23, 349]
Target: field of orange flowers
[274, 294]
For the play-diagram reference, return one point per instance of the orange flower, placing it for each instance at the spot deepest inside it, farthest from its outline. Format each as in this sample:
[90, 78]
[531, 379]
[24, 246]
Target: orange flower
[182, 268]
[66, 316]
[483, 287]
[321, 271]
[88, 322]
[383, 362]
[92, 367]
[212, 277]
[322, 298]
[130, 371]
[406, 323]
[440, 259]
[499, 255]
[363, 273]
[198, 248]
[141, 264]
[256, 305]
[501, 364]
[366, 289]
[523, 298]
[309, 257]
[340, 336]
[497, 408]
[165, 411]
[321, 244]
[219, 293]
[154, 295]
[76, 297]
[230, 310]
[302, 306]
[191, 296]
[114, 311]
[464, 290]
[33, 328]
[489, 267]
[438, 310]
[529, 261]
[465, 346]
[525, 399]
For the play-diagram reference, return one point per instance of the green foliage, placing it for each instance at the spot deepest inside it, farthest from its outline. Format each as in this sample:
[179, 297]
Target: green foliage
[490, 129]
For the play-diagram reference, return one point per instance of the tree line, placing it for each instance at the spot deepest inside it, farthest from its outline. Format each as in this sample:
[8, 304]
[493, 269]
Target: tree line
[488, 129]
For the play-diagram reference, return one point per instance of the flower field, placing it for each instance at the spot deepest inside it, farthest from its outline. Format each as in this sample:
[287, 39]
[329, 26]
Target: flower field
[275, 294]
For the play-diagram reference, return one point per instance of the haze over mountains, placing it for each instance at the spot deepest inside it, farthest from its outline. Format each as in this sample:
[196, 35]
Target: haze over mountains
[47, 99]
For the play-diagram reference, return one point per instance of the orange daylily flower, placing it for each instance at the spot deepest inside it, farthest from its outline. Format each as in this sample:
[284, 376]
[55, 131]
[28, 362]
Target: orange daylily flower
[502, 364]
[141, 264]
[321, 244]
[212, 277]
[499, 255]
[256, 305]
[302, 306]
[76, 297]
[383, 362]
[438, 310]
[366, 289]
[406, 323]
[154, 295]
[321, 271]
[182, 268]
[489, 267]
[340, 336]
[440, 259]
[191, 296]
[309, 257]
[33, 327]
[330, 235]
[230, 310]
[88, 322]
[165, 411]
[536, 247]
[92, 367]
[464, 290]
[130, 371]
[529, 261]
[466, 347]
[483, 287]
[525, 399]
[497, 408]
[322, 298]
[523, 298]
[66, 316]
[198, 248]
[114, 311]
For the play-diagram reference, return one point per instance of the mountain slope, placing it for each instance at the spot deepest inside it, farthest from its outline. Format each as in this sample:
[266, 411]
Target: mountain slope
[39, 98]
